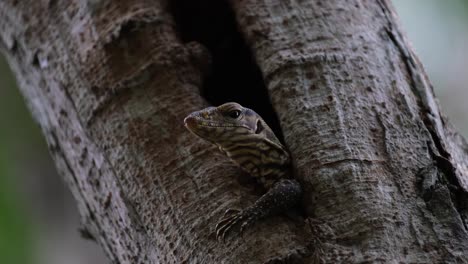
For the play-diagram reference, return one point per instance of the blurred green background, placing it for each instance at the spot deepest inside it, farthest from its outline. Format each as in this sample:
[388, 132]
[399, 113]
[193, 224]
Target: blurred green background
[38, 218]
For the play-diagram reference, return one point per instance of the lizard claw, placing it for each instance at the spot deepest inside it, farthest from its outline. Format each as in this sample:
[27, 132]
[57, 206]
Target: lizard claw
[230, 219]
[230, 211]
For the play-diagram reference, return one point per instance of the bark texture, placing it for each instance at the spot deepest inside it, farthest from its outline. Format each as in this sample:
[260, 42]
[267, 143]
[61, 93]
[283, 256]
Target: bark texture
[109, 82]
[385, 175]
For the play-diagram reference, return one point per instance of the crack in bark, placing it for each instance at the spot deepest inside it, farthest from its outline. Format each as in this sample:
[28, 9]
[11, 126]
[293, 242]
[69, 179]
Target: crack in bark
[350, 160]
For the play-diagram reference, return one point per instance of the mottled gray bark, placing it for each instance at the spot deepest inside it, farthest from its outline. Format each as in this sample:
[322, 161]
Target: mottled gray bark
[385, 175]
[109, 82]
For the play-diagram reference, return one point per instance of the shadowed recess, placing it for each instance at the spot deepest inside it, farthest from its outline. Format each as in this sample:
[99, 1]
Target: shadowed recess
[234, 76]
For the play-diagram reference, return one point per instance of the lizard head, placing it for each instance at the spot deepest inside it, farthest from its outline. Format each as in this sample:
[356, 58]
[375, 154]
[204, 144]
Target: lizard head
[243, 136]
[228, 124]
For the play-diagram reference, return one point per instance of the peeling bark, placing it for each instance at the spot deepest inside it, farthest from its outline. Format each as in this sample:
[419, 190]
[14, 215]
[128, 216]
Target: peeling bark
[109, 82]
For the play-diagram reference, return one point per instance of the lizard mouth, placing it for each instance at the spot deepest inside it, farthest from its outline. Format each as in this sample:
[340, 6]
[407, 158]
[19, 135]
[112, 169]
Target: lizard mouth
[193, 123]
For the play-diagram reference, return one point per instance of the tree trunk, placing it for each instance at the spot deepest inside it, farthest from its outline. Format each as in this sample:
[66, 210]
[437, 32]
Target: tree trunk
[109, 82]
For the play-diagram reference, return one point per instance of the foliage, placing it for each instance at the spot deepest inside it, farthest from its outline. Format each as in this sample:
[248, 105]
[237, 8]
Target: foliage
[15, 229]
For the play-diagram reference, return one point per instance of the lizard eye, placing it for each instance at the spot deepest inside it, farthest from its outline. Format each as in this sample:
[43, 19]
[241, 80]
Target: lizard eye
[234, 114]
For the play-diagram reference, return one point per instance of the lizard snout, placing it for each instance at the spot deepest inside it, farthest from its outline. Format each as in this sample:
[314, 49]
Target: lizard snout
[190, 121]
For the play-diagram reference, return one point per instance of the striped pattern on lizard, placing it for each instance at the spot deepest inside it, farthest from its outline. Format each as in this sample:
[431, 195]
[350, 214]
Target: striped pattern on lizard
[249, 142]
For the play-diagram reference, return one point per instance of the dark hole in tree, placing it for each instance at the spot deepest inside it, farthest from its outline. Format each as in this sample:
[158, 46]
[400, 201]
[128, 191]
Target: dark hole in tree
[234, 75]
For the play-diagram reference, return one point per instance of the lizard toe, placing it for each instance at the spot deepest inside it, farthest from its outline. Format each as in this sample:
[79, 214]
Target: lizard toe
[231, 212]
[226, 224]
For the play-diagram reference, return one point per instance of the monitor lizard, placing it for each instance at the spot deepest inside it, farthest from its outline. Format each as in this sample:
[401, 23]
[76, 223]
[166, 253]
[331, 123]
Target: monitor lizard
[250, 143]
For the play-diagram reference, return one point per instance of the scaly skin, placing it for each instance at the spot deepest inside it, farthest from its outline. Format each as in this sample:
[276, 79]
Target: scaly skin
[249, 142]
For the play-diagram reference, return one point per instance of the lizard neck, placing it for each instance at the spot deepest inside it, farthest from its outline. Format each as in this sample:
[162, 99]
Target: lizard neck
[259, 156]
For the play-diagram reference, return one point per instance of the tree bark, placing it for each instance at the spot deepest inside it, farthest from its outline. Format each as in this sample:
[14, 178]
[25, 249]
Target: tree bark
[109, 82]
